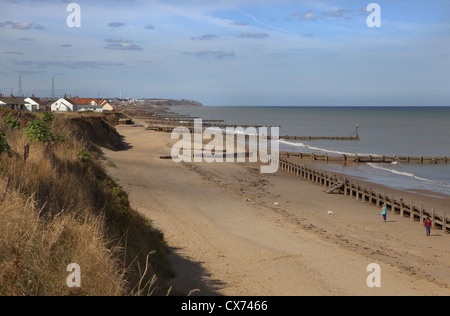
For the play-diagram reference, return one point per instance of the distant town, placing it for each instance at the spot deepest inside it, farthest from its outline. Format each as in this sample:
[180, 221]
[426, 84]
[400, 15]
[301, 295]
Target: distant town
[78, 104]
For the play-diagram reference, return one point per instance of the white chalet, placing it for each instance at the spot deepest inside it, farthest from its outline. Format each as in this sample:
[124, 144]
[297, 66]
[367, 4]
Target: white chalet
[64, 105]
[33, 104]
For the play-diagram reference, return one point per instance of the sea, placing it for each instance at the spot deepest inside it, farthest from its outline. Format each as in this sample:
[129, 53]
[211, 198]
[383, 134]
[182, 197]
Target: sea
[390, 131]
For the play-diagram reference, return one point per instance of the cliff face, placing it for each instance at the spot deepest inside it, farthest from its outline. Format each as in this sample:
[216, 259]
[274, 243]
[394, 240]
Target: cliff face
[58, 206]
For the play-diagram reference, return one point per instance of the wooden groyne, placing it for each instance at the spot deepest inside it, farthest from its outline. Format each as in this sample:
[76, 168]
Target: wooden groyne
[190, 127]
[165, 125]
[368, 158]
[364, 194]
[306, 138]
[160, 120]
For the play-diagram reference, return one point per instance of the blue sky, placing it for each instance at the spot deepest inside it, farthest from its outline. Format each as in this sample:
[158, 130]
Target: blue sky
[234, 52]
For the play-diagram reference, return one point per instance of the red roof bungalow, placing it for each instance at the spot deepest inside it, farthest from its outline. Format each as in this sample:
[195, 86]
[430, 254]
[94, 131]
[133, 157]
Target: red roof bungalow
[77, 100]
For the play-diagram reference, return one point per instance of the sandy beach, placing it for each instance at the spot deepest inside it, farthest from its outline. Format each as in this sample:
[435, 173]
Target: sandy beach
[235, 231]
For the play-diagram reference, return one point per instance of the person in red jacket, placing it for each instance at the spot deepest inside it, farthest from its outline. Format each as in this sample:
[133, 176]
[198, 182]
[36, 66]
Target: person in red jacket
[428, 223]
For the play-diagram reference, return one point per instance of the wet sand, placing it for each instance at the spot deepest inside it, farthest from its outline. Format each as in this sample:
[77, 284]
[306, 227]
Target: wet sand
[228, 237]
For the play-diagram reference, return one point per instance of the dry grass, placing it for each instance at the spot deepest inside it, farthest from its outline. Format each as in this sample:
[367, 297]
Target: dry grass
[61, 209]
[35, 252]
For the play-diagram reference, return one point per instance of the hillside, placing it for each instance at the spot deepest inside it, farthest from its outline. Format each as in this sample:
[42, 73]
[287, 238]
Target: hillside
[58, 206]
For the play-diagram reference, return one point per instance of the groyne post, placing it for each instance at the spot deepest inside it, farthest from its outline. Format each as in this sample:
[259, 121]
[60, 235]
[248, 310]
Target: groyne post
[421, 214]
[444, 223]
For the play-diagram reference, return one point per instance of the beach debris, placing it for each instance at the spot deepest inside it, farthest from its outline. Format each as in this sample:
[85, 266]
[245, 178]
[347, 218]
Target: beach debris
[169, 157]
[247, 200]
[276, 204]
[330, 212]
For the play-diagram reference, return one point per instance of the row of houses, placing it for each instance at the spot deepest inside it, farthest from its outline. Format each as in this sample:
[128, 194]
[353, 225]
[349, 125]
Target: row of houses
[65, 104]
[76, 104]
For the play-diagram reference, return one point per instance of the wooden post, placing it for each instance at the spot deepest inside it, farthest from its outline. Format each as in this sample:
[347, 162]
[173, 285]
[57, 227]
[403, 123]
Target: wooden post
[363, 194]
[444, 223]
[351, 188]
[433, 218]
[402, 210]
[421, 214]
[26, 152]
[411, 210]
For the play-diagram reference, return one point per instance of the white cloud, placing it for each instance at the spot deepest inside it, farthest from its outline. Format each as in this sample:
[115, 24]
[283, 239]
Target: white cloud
[214, 54]
[257, 35]
[310, 15]
[119, 43]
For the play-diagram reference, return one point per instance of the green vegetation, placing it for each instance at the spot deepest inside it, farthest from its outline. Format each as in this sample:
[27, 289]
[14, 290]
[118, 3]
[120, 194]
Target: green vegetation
[38, 132]
[48, 117]
[84, 155]
[11, 122]
[4, 146]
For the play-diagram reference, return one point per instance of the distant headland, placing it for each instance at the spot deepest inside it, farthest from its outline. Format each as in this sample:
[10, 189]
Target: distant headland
[169, 102]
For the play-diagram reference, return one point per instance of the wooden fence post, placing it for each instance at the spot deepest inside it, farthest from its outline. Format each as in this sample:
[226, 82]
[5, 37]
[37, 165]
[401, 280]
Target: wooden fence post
[26, 152]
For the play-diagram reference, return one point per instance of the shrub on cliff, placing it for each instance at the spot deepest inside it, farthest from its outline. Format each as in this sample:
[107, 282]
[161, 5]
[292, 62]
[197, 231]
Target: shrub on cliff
[38, 132]
[4, 146]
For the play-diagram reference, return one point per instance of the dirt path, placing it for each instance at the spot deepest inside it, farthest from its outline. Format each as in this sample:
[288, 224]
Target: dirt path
[228, 237]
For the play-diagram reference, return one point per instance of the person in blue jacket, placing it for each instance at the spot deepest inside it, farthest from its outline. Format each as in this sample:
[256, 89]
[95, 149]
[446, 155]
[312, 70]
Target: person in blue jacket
[384, 212]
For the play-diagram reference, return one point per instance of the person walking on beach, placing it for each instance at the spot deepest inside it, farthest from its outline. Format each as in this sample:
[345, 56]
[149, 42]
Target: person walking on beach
[384, 212]
[428, 223]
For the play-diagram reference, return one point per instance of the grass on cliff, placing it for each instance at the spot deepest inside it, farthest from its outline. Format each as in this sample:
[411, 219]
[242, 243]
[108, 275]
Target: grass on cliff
[58, 206]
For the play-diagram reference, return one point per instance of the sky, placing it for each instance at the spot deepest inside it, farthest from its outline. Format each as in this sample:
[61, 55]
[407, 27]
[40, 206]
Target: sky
[233, 52]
